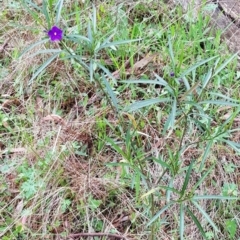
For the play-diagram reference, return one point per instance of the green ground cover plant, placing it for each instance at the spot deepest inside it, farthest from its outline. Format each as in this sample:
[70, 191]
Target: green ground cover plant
[118, 120]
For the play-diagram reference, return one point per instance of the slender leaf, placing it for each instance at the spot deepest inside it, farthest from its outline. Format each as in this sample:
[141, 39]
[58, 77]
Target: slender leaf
[219, 69]
[186, 180]
[159, 213]
[77, 38]
[219, 102]
[116, 44]
[45, 52]
[207, 217]
[197, 65]
[215, 197]
[46, 14]
[202, 178]
[207, 78]
[233, 145]
[117, 148]
[160, 80]
[89, 30]
[40, 69]
[145, 103]
[171, 118]
[205, 155]
[169, 191]
[142, 81]
[110, 92]
[108, 73]
[170, 49]
[196, 222]
[59, 6]
[162, 163]
[33, 46]
[186, 83]
[181, 226]
[94, 19]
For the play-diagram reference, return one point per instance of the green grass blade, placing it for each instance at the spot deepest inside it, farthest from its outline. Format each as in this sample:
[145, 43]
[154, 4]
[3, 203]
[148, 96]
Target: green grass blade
[171, 118]
[219, 69]
[207, 217]
[94, 19]
[205, 155]
[116, 147]
[197, 65]
[145, 103]
[187, 178]
[215, 197]
[160, 80]
[181, 226]
[40, 69]
[59, 6]
[113, 44]
[162, 163]
[108, 73]
[202, 178]
[233, 145]
[170, 49]
[47, 51]
[196, 222]
[110, 92]
[220, 102]
[159, 213]
[33, 46]
[78, 38]
[141, 81]
[46, 13]
[169, 191]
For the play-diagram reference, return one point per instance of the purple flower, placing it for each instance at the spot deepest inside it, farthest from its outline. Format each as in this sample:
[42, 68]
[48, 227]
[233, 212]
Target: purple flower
[55, 34]
[172, 74]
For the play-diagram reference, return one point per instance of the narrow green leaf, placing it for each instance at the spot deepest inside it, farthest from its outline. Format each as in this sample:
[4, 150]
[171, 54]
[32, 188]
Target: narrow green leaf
[94, 19]
[169, 191]
[207, 79]
[205, 155]
[110, 92]
[233, 145]
[78, 38]
[196, 222]
[145, 103]
[159, 213]
[46, 14]
[47, 51]
[78, 59]
[59, 6]
[170, 49]
[186, 180]
[89, 30]
[197, 65]
[142, 81]
[181, 226]
[33, 46]
[219, 69]
[215, 197]
[171, 118]
[111, 44]
[116, 147]
[162, 163]
[40, 69]
[108, 73]
[207, 217]
[160, 80]
[186, 83]
[219, 102]
[202, 178]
